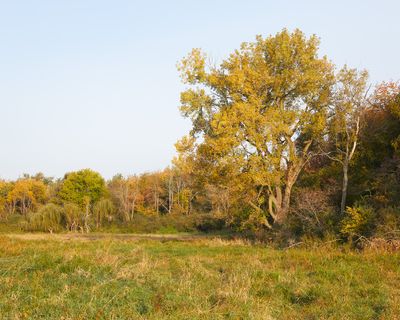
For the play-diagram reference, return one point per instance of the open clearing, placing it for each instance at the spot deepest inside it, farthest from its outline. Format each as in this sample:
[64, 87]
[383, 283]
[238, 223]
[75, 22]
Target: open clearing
[145, 277]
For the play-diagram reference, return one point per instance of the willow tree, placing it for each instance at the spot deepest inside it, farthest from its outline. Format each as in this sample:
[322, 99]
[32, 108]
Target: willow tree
[103, 209]
[260, 111]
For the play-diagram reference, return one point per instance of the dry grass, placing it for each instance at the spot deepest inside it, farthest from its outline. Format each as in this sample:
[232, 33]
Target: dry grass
[59, 277]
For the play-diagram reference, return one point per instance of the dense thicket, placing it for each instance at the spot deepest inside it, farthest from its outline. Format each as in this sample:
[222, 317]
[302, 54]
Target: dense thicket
[283, 144]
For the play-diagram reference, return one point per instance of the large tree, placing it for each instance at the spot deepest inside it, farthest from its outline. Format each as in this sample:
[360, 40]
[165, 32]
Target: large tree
[259, 112]
[82, 187]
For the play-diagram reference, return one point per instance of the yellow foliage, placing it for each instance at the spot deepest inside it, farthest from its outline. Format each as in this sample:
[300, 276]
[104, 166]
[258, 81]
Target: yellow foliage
[27, 194]
[358, 220]
[256, 114]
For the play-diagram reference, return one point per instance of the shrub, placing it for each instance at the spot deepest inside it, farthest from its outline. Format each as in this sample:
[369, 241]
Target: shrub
[170, 223]
[388, 223]
[12, 223]
[312, 213]
[359, 221]
[209, 223]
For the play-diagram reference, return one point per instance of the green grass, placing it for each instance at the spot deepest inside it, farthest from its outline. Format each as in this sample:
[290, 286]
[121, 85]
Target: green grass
[55, 278]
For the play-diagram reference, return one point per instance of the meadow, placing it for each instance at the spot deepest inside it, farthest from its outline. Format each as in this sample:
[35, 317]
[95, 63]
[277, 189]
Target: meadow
[67, 276]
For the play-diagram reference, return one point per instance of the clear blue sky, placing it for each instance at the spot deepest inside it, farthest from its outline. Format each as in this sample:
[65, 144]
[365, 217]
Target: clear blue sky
[91, 83]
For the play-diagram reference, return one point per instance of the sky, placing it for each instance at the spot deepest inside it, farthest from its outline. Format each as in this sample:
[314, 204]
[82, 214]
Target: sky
[93, 84]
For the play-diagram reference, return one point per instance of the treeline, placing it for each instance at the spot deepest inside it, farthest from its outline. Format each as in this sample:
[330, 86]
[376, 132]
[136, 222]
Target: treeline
[283, 145]
[84, 201]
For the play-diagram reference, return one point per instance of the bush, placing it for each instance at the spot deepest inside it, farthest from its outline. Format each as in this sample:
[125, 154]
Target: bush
[12, 223]
[169, 223]
[209, 223]
[359, 221]
[388, 223]
[312, 213]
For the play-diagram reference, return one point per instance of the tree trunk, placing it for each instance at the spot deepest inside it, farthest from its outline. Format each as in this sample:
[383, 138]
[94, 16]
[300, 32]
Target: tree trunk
[344, 187]
[87, 218]
[286, 202]
[283, 208]
[133, 204]
[282, 202]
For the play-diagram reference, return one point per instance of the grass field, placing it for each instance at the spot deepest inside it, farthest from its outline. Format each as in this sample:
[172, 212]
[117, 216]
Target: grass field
[61, 277]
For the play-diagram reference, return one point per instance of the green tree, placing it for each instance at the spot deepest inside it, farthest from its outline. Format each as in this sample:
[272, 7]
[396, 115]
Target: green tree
[259, 113]
[77, 187]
